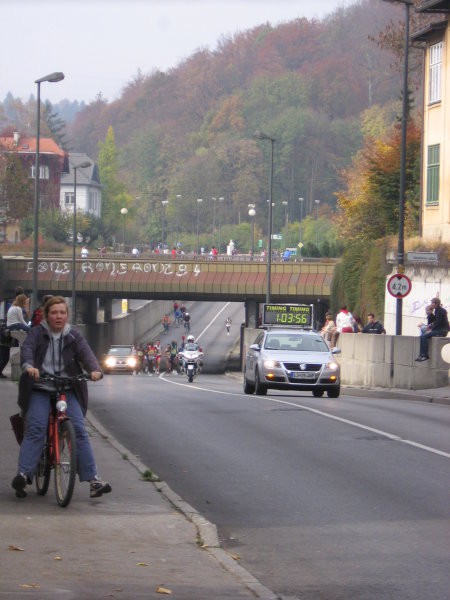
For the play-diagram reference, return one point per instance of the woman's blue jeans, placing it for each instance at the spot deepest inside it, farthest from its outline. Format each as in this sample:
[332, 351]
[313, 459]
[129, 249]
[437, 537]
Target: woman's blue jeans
[36, 420]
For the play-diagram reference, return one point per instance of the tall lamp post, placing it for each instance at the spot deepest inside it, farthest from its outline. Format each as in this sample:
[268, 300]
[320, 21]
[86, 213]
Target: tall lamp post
[123, 212]
[301, 200]
[199, 201]
[52, 78]
[251, 214]
[401, 199]
[317, 202]
[263, 136]
[82, 165]
[164, 204]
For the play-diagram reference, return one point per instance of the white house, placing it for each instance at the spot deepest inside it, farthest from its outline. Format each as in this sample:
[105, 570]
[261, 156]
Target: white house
[89, 188]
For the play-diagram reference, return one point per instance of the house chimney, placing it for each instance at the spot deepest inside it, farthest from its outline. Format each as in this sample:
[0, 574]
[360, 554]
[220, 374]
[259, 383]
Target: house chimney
[16, 137]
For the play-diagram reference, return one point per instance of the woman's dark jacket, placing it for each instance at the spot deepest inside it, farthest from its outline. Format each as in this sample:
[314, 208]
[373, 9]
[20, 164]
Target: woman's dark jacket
[76, 355]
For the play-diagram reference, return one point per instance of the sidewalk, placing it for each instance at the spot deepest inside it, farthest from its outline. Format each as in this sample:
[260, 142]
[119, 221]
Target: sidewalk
[123, 545]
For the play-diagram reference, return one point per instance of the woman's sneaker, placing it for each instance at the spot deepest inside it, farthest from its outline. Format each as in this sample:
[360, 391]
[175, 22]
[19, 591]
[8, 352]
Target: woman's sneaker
[99, 487]
[18, 483]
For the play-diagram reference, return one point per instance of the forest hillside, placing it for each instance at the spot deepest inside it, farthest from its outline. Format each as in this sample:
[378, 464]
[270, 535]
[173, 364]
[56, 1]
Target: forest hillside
[189, 133]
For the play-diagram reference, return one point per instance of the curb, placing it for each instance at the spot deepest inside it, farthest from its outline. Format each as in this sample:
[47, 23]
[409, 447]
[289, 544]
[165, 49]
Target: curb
[207, 531]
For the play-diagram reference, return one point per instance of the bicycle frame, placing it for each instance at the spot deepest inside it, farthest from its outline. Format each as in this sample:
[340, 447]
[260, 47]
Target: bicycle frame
[59, 452]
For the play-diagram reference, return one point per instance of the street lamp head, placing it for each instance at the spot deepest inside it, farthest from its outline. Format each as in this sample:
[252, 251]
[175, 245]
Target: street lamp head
[164, 202]
[199, 200]
[300, 199]
[124, 211]
[252, 212]
[263, 136]
[83, 165]
[52, 78]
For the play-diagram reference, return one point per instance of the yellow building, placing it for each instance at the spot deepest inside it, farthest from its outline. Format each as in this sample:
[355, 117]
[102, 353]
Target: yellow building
[436, 125]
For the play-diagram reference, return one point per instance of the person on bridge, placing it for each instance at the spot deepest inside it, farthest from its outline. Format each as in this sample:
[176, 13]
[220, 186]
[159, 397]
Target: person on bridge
[438, 328]
[56, 348]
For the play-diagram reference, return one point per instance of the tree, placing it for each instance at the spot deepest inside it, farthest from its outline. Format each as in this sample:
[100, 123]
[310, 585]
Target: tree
[16, 188]
[114, 194]
[55, 125]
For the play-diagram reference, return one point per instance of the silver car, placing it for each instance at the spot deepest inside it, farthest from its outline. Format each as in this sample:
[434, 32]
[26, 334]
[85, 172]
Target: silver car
[296, 359]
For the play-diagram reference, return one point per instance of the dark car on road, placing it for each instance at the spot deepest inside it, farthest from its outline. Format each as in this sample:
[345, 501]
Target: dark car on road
[287, 359]
[119, 359]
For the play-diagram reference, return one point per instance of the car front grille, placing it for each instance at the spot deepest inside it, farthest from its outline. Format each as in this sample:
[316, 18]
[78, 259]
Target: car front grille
[307, 366]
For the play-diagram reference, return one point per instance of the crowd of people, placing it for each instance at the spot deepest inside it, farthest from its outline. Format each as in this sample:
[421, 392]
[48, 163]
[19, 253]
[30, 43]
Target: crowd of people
[436, 325]
[346, 322]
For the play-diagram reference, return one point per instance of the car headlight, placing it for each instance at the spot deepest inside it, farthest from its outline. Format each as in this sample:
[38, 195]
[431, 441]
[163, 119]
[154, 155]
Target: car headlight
[272, 364]
[131, 361]
[110, 362]
[332, 366]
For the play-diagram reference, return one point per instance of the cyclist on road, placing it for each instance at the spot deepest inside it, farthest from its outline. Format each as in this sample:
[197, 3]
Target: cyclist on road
[166, 323]
[56, 348]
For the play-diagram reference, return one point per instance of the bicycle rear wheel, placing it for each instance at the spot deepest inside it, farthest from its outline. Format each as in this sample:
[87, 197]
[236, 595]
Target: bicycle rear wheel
[43, 471]
[66, 467]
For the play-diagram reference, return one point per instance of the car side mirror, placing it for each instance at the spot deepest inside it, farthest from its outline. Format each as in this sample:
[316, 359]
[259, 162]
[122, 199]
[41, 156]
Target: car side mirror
[255, 347]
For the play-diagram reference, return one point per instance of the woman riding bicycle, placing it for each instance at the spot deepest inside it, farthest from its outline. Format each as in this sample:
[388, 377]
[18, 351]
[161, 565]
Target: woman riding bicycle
[56, 348]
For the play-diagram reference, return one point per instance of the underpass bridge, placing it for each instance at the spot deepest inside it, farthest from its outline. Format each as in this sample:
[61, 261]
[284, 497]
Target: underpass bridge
[235, 280]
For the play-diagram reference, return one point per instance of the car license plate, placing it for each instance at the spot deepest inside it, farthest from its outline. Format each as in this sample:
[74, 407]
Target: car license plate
[303, 375]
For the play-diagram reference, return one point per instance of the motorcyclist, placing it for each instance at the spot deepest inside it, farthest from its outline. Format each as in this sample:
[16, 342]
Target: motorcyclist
[190, 346]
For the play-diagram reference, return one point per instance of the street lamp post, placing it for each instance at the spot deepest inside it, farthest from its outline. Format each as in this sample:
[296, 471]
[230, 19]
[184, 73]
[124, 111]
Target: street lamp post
[83, 165]
[123, 212]
[164, 203]
[263, 136]
[251, 214]
[285, 203]
[221, 199]
[199, 201]
[401, 199]
[52, 78]
[317, 202]
[301, 200]
[178, 197]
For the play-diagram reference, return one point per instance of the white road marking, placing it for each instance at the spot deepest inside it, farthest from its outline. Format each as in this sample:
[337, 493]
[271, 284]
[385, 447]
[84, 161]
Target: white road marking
[385, 434]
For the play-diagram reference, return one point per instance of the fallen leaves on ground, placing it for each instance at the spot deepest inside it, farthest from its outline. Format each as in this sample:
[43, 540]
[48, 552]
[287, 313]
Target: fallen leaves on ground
[163, 590]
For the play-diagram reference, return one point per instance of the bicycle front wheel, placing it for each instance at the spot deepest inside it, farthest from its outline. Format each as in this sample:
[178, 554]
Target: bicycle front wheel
[66, 466]
[42, 477]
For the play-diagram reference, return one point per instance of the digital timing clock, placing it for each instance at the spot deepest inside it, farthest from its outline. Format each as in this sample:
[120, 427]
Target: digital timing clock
[295, 315]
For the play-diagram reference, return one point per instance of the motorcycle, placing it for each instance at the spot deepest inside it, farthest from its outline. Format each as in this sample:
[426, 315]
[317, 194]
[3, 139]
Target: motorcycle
[190, 362]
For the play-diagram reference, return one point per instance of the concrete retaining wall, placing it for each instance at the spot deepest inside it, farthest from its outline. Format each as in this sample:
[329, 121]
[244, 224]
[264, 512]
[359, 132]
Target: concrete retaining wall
[125, 329]
[389, 361]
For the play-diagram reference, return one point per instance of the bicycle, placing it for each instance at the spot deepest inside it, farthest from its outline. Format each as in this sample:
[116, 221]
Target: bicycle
[60, 448]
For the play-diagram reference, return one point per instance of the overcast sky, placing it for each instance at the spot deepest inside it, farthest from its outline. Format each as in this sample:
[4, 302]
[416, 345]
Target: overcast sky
[101, 44]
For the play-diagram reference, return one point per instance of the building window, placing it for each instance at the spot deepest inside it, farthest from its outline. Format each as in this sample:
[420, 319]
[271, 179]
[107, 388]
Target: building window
[69, 199]
[434, 94]
[44, 172]
[433, 166]
[94, 202]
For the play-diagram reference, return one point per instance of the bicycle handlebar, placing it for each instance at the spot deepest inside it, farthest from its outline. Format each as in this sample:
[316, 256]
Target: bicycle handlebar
[65, 379]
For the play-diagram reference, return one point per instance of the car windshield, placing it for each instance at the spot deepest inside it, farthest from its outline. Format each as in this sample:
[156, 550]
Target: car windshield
[120, 350]
[295, 342]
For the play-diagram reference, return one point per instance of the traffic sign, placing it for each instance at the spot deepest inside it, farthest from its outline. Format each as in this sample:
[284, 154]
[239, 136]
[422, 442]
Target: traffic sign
[399, 285]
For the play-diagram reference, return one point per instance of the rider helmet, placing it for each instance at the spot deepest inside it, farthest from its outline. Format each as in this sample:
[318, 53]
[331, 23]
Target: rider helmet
[190, 338]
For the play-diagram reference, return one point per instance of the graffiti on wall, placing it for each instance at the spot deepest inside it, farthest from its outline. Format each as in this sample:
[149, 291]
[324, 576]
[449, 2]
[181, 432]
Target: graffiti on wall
[117, 268]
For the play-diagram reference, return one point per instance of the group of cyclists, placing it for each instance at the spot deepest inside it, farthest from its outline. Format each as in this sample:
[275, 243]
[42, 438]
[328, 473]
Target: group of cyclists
[181, 317]
[153, 356]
